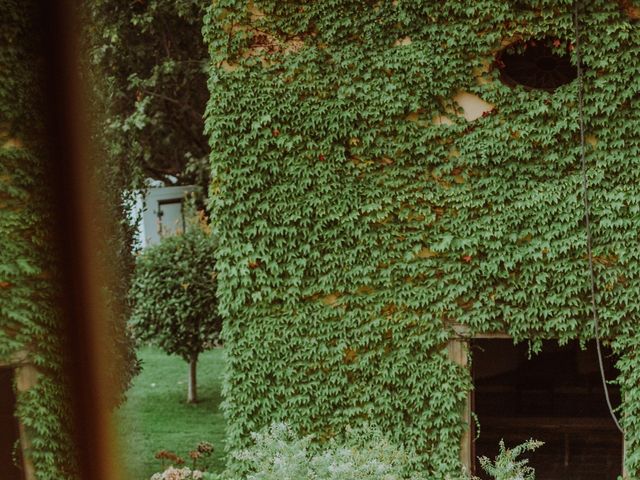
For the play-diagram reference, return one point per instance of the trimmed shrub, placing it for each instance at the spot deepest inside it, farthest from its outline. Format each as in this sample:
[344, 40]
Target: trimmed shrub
[174, 297]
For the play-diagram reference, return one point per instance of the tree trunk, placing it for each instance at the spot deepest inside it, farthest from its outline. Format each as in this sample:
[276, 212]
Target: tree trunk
[192, 394]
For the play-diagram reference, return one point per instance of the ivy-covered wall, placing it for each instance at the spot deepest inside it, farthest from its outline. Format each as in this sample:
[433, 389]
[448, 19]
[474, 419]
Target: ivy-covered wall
[30, 322]
[355, 227]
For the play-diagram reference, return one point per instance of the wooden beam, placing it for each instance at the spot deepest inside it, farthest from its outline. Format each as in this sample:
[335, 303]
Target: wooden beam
[458, 350]
[464, 332]
[26, 377]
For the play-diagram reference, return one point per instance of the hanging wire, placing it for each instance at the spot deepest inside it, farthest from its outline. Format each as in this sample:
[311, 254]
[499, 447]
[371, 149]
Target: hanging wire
[587, 209]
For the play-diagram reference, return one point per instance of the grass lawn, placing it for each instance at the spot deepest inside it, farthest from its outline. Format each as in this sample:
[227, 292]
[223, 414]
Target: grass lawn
[156, 416]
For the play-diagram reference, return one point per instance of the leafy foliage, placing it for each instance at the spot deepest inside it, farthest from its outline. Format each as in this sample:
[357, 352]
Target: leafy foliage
[360, 215]
[628, 346]
[145, 68]
[278, 454]
[149, 59]
[174, 294]
[30, 321]
[506, 465]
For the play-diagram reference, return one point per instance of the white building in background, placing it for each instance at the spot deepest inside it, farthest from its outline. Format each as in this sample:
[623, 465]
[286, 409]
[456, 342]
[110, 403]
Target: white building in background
[160, 213]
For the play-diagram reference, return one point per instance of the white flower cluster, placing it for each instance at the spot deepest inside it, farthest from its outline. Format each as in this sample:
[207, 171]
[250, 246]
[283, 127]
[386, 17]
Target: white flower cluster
[173, 473]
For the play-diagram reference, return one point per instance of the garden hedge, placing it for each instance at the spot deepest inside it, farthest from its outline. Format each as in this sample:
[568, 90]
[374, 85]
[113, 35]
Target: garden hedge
[355, 229]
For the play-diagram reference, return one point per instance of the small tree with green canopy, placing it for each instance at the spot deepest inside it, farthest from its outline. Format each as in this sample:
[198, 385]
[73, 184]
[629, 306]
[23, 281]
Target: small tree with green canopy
[174, 297]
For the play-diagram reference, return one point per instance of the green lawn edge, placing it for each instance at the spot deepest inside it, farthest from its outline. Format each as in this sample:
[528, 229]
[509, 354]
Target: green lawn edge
[155, 415]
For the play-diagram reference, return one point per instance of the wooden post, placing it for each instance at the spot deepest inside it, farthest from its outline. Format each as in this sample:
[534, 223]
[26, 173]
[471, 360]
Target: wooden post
[26, 378]
[458, 354]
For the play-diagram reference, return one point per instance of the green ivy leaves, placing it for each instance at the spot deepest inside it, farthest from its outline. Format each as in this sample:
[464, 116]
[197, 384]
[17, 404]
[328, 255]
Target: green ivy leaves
[363, 198]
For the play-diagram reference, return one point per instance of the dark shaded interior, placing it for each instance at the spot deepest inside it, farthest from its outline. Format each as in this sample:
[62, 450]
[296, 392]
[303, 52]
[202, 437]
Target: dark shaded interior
[556, 397]
[535, 65]
[9, 433]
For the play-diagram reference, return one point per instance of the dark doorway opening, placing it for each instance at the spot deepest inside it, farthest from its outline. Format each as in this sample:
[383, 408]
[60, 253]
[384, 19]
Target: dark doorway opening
[556, 397]
[536, 64]
[9, 432]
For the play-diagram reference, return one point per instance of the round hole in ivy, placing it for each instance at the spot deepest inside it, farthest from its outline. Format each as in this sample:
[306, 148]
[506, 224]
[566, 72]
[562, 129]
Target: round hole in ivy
[536, 64]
